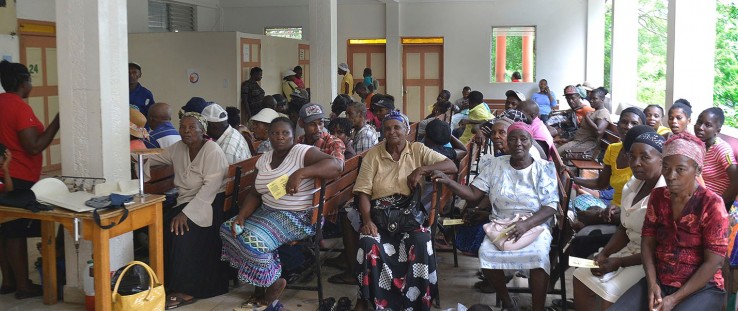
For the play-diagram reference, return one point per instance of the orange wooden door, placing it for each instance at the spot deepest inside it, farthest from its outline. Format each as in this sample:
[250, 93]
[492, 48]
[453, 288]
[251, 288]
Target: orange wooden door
[303, 59]
[372, 56]
[38, 52]
[422, 76]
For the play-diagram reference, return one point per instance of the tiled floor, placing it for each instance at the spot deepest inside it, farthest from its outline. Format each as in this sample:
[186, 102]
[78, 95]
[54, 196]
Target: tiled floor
[456, 286]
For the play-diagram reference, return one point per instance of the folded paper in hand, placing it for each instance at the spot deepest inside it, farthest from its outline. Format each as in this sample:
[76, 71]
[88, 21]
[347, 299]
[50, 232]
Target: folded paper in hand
[582, 263]
[278, 187]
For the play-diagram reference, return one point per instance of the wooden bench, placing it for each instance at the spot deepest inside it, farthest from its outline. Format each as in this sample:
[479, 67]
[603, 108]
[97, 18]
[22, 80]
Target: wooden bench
[161, 179]
[609, 137]
[413, 135]
[240, 179]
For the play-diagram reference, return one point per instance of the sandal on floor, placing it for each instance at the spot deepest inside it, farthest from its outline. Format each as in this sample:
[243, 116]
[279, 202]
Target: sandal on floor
[36, 291]
[174, 302]
[569, 304]
[328, 304]
[341, 279]
[484, 287]
[7, 290]
[343, 304]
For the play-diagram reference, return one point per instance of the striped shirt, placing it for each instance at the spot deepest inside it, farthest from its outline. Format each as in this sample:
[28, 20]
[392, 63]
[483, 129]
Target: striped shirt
[365, 138]
[715, 166]
[234, 146]
[294, 160]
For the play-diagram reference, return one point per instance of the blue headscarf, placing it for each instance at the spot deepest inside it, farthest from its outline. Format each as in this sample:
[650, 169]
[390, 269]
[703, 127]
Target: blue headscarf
[396, 115]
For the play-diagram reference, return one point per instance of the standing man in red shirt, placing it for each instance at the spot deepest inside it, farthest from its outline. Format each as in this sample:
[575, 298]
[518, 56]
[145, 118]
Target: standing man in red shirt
[24, 135]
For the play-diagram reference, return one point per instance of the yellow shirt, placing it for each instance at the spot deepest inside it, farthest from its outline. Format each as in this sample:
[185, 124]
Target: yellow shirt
[663, 130]
[347, 78]
[382, 176]
[619, 176]
[287, 88]
[478, 113]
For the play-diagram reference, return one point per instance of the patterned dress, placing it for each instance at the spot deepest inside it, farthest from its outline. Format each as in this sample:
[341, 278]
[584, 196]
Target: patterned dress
[514, 191]
[254, 250]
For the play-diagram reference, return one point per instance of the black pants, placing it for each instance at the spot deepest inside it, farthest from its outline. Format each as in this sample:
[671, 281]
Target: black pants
[21, 228]
[636, 298]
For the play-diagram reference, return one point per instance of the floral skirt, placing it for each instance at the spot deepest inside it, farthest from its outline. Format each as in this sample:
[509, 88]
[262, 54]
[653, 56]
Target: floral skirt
[397, 272]
[254, 251]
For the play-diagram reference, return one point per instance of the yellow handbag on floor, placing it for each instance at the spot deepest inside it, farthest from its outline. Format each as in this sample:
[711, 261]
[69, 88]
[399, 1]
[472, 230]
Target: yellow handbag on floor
[150, 300]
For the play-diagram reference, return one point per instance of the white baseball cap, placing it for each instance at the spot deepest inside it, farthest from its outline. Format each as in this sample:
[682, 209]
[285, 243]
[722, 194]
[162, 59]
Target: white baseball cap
[288, 73]
[214, 113]
[266, 115]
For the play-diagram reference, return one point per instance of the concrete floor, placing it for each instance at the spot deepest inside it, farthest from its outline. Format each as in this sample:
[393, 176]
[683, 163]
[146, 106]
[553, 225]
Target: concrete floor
[456, 286]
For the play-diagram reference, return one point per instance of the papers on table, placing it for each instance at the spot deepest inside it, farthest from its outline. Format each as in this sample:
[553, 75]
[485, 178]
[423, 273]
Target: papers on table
[52, 191]
[582, 263]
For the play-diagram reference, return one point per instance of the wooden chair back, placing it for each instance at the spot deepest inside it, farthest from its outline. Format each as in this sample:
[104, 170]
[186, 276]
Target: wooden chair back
[239, 181]
[161, 179]
[413, 135]
[338, 191]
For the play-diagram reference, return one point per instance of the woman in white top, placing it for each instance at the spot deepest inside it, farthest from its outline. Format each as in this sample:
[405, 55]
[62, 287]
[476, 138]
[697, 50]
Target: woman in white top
[191, 244]
[620, 260]
[264, 223]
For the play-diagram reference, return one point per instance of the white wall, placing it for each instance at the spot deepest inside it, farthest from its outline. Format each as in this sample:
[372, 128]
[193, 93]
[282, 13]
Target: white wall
[467, 28]
[165, 59]
[277, 55]
[138, 16]
[40, 10]
[249, 19]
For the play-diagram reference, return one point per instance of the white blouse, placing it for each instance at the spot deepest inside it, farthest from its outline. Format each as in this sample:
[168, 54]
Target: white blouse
[632, 213]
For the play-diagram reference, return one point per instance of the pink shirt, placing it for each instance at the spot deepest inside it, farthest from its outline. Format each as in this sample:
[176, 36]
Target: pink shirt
[541, 132]
[715, 166]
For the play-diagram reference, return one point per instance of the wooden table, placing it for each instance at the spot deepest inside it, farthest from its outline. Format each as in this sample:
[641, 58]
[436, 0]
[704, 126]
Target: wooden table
[144, 212]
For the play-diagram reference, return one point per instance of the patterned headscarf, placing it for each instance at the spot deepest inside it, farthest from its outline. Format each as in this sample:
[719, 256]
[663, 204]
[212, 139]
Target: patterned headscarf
[197, 117]
[521, 126]
[687, 145]
[515, 115]
[396, 115]
[652, 139]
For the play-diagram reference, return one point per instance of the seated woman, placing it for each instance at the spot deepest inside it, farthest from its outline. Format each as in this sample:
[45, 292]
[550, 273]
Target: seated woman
[654, 114]
[516, 184]
[264, 223]
[192, 263]
[684, 238]
[680, 116]
[719, 172]
[390, 172]
[620, 260]
[591, 128]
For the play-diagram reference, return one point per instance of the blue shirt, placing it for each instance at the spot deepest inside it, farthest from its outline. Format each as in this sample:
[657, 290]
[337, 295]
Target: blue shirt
[162, 137]
[544, 103]
[142, 98]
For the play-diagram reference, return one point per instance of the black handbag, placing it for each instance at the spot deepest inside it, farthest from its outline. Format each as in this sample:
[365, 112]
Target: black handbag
[398, 213]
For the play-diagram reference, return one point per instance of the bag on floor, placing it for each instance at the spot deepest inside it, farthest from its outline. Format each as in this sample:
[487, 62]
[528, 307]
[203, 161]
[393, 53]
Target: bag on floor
[150, 300]
[497, 229]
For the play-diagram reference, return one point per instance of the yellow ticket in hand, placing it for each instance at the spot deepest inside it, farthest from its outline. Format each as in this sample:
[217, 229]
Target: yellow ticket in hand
[278, 187]
[582, 263]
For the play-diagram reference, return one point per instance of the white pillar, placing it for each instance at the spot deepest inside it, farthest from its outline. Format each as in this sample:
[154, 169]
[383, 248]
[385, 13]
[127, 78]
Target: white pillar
[624, 70]
[690, 55]
[595, 70]
[393, 52]
[324, 51]
[92, 52]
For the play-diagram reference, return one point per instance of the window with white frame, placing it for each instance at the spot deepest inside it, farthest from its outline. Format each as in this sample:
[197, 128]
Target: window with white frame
[166, 16]
[512, 54]
[284, 32]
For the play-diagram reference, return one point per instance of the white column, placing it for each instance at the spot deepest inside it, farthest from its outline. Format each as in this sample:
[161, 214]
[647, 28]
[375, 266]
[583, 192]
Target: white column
[595, 70]
[324, 51]
[690, 55]
[92, 51]
[624, 71]
[393, 51]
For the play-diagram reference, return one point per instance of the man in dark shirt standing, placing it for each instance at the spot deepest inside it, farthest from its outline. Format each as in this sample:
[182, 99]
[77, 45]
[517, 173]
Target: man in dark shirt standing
[251, 94]
[139, 96]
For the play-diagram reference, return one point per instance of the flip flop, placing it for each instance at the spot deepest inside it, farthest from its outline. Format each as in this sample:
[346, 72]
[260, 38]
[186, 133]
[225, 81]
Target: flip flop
[7, 290]
[341, 279]
[483, 287]
[558, 304]
[343, 304]
[180, 302]
[36, 291]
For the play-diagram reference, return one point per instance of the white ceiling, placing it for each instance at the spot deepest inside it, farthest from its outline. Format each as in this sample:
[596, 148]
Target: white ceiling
[263, 3]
